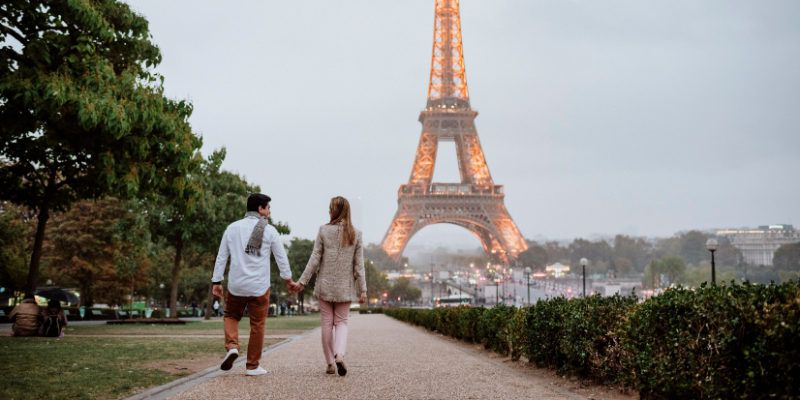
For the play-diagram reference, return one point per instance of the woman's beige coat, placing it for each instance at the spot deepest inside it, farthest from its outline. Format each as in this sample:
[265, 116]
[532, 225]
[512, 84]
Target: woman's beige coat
[339, 270]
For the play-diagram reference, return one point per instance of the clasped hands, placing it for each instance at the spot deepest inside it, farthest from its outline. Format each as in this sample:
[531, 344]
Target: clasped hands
[294, 287]
[297, 287]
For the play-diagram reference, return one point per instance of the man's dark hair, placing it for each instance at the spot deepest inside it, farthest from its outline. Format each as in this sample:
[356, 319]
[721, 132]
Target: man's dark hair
[256, 200]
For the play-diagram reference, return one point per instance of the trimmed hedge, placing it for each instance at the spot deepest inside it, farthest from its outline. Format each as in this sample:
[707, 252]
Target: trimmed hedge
[724, 342]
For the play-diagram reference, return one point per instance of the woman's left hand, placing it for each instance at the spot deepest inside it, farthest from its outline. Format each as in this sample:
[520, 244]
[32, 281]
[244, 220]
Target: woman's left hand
[363, 298]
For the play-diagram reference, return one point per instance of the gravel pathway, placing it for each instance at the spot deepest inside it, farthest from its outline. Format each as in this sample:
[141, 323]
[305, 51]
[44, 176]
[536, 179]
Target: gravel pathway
[386, 359]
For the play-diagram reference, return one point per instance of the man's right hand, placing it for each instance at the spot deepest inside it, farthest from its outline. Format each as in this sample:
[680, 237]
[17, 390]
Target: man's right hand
[216, 290]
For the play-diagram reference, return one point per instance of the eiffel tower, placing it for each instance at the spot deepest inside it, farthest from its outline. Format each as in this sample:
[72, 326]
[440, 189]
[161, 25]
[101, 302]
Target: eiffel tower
[475, 203]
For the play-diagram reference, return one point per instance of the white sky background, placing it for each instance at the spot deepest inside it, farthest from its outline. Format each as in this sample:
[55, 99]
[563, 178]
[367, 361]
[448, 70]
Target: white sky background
[599, 117]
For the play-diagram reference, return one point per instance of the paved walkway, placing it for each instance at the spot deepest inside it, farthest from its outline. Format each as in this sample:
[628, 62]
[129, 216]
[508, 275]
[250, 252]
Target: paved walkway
[386, 359]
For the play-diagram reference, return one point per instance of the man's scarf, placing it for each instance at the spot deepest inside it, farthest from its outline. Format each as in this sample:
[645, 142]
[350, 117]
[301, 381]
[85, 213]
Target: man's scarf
[257, 237]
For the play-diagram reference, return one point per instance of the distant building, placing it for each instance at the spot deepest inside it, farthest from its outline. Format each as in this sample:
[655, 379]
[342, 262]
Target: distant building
[557, 270]
[610, 287]
[759, 245]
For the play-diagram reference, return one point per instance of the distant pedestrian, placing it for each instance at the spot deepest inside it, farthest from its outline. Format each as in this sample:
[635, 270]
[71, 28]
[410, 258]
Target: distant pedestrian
[54, 320]
[215, 306]
[338, 262]
[26, 318]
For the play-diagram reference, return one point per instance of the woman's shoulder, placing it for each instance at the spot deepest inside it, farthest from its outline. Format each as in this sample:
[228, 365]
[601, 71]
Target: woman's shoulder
[328, 230]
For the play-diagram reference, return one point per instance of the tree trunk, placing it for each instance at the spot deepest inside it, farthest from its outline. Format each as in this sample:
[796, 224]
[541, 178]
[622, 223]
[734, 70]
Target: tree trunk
[38, 241]
[87, 297]
[176, 273]
[302, 296]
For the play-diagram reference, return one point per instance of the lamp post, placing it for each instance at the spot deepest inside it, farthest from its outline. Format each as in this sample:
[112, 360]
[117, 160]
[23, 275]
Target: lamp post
[584, 261]
[514, 286]
[711, 245]
[528, 273]
[432, 302]
[161, 294]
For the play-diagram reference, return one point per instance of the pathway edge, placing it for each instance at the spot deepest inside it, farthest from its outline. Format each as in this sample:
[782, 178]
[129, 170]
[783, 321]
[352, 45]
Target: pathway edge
[180, 385]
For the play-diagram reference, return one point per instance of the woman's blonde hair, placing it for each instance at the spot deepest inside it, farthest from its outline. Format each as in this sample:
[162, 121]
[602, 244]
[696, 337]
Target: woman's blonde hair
[340, 214]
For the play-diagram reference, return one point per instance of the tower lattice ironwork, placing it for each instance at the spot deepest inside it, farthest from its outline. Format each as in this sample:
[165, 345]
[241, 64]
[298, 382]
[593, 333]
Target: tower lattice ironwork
[475, 203]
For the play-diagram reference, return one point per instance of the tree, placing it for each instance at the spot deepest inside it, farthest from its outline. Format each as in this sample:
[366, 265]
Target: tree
[556, 253]
[196, 220]
[382, 260]
[299, 252]
[693, 247]
[598, 253]
[82, 115]
[631, 254]
[102, 245]
[672, 267]
[377, 283]
[15, 228]
[402, 291]
[787, 257]
[622, 266]
[535, 257]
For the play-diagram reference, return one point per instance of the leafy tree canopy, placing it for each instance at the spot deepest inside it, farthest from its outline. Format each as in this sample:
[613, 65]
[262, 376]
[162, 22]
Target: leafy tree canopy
[82, 115]
[787, 257]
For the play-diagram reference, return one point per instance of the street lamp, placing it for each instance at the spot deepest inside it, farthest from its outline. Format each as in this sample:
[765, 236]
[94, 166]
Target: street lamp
[711, 245]
[584, 261]
[513, 285]
[528, 273]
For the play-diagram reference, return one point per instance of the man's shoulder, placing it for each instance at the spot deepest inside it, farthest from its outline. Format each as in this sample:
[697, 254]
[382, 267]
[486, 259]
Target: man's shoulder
[239, 222]
[272, 230]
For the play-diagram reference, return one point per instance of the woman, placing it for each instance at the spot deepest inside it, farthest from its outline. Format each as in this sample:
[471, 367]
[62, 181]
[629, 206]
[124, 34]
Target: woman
[54, 319]
[338, 263]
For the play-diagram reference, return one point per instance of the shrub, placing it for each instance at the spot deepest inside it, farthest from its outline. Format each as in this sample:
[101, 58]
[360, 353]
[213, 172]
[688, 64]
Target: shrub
[516, 333]
[591, 337]
[544, 326]
[493, 328]
[737, 341]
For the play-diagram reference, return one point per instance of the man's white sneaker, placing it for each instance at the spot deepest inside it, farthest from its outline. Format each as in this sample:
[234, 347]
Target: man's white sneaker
[229, 359]
[256, 372]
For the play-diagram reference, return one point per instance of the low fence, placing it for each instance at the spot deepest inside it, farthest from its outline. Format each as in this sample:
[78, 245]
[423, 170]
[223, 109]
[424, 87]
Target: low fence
[728, 342]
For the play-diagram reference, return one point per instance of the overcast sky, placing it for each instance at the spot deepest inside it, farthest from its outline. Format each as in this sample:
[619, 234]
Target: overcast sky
[599, 117]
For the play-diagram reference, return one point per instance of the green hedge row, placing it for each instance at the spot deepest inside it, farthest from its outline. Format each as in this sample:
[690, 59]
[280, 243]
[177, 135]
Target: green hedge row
[724, 342]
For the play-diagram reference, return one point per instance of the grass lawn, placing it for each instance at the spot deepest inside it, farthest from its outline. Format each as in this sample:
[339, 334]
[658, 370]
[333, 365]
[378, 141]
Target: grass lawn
[113, 368]
[275, 326]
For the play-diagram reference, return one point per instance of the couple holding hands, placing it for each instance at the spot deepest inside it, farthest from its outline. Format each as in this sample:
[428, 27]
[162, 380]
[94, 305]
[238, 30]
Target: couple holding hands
[337, 261]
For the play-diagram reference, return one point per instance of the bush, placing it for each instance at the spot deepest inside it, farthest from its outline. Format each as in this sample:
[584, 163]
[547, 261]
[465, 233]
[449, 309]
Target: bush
[544, 323]
[737, 341]
[493, 328]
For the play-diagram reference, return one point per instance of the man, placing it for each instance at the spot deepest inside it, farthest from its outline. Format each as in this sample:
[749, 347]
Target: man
[26, 318]
[248, 242]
